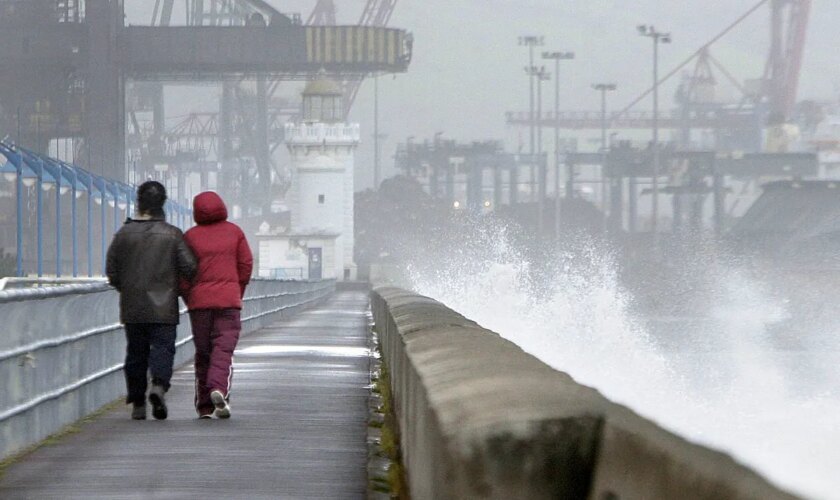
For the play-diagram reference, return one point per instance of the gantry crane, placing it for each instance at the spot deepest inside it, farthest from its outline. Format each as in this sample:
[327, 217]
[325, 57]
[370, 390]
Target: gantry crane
[251, 118]
[376, 13]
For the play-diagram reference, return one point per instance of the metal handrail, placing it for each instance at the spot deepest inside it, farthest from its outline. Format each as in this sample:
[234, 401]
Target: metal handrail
[312, 290]
[19, 294]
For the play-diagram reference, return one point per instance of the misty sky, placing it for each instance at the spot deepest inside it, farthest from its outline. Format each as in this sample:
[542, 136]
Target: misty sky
[468, 70]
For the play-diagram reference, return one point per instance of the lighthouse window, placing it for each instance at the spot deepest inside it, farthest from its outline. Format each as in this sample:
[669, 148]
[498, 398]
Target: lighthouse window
[332, 108]
[316, 108]
[321, 199]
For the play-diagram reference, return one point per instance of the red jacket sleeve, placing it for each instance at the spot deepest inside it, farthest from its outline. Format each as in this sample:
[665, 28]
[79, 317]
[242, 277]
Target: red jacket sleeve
[244, 262]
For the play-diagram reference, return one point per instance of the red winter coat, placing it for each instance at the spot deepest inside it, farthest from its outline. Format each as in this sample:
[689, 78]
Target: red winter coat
[224, 258]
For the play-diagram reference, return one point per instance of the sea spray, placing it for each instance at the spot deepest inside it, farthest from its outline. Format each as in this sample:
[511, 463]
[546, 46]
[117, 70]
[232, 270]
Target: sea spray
[716, 379]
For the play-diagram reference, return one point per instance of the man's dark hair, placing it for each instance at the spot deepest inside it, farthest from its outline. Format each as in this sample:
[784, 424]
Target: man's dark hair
[151, 196]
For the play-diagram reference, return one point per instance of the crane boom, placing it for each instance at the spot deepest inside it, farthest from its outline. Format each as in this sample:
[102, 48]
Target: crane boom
[323, 14]
[377, 12]
[786, 62]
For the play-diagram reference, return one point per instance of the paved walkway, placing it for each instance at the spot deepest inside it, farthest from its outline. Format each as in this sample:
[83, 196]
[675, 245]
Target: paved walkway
[298, 429]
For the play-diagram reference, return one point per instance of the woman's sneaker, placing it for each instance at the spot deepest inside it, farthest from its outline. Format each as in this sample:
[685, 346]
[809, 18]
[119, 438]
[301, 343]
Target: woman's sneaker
[221, 404]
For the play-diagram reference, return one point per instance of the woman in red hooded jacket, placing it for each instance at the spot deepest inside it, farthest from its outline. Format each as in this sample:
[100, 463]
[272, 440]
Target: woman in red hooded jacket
[214, 299]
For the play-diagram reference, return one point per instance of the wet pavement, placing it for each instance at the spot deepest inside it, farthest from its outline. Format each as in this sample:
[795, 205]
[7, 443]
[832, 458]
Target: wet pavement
[298, 430]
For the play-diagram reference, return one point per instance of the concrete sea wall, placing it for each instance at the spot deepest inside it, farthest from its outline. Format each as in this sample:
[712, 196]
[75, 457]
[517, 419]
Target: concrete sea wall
[480, 418]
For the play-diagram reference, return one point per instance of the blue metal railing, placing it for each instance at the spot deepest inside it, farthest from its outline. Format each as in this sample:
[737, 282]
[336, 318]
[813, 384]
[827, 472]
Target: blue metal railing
[27, 169]
[286, 273]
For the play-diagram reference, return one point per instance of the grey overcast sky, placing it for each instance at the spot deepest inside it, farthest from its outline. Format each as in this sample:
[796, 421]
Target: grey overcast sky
[468, 70]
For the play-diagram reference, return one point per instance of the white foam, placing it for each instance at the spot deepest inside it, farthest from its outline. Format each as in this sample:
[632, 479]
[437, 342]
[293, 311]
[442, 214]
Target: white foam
[733, 394]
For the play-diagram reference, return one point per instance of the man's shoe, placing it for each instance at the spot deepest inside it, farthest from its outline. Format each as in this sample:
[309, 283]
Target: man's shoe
[206, 416]
[156, 397]
[221, 404]
[138, 412]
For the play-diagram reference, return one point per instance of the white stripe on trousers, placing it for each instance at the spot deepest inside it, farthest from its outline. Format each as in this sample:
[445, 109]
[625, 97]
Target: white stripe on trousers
[230, 376]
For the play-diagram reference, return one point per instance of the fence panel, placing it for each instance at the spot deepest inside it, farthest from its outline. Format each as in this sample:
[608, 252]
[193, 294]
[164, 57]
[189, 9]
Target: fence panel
[62, 349]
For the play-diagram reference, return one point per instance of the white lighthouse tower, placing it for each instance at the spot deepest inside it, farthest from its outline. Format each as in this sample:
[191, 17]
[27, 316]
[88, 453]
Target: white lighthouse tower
[322, 148]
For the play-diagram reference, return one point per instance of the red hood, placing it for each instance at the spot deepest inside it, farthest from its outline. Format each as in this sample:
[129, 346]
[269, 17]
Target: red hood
[208, 208]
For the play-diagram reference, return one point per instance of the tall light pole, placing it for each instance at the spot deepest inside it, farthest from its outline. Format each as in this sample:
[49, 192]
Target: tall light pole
[656, 37]
[376, 171]
[603, 88]
[541, 75]
[530, 42]
[557, 57]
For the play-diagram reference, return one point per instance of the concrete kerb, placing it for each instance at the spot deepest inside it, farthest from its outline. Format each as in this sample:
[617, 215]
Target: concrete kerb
[479, 417]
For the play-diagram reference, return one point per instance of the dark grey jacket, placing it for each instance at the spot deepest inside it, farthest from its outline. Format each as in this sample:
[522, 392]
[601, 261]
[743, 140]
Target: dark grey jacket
[146, 261]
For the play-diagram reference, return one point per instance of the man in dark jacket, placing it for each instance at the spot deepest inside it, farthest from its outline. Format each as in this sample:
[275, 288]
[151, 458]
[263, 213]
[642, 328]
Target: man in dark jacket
[215, 300]
[146, 261]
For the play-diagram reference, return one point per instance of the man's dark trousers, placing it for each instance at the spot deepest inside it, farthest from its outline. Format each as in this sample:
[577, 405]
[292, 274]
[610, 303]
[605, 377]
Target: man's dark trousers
[151, 348]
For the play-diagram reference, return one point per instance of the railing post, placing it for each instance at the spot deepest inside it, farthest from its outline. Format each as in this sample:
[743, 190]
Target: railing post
[104, 222]
[116, 189]
[90, 225]
[19, 230]
[127, 202]
[58, 224]
[73, 224]
[130, 195]
[39, 187]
